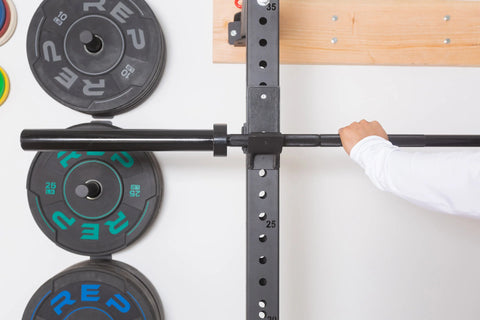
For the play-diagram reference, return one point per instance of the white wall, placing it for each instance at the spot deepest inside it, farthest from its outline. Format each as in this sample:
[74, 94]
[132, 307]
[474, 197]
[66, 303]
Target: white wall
[348, 251]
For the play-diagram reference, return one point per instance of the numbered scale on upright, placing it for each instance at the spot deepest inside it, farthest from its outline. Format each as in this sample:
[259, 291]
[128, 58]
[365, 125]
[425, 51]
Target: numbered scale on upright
[97, 57]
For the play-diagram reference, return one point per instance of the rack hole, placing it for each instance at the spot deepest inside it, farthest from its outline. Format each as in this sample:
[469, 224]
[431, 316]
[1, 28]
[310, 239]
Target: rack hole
[262, 238]
[262, 304]
[263, 84]
[262, 315]
[262, 173]
[263, 64]
[263, 42]
[263, 282]
[262, 260]
[262, 216]
[262, 194]
[263, 21]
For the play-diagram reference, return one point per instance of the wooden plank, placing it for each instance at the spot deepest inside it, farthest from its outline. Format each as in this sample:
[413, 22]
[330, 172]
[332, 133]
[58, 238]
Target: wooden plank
[368, 32]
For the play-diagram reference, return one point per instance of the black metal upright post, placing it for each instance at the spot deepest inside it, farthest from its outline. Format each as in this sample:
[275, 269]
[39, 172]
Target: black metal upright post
[263, 117]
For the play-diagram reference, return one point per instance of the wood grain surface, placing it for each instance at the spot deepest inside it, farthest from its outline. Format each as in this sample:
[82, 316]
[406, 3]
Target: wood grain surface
[369, 32]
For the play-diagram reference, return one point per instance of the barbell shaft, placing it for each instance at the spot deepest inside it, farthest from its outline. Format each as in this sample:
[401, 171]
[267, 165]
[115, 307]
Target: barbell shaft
[401, 140]
[202, 140]
[415, 141]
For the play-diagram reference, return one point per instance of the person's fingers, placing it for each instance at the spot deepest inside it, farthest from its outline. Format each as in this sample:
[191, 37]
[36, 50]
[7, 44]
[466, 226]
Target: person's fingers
[379, 130]
[356, 131]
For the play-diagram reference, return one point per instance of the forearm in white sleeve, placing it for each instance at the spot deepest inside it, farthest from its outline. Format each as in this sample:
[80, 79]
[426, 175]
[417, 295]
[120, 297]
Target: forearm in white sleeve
[441, 181]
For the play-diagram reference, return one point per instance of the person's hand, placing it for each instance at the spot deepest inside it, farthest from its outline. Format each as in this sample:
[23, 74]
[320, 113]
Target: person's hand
[357, 131]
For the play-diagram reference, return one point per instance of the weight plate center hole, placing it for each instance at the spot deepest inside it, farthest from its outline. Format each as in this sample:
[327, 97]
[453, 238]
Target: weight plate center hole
[91, 190]
[92, 43]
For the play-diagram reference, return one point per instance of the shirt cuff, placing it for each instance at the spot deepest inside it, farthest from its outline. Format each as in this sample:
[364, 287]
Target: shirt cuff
[370, 143]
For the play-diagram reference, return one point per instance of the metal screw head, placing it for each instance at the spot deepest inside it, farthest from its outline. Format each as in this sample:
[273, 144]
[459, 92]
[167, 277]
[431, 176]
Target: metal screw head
[233, 33]
[447, 41]
[446, 18]
[334, 18]
[334, 40]
[263, 96]
[263, 2]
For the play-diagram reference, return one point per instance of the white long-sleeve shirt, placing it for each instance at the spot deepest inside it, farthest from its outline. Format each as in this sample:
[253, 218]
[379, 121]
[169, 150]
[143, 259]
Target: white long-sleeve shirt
[442, 181]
